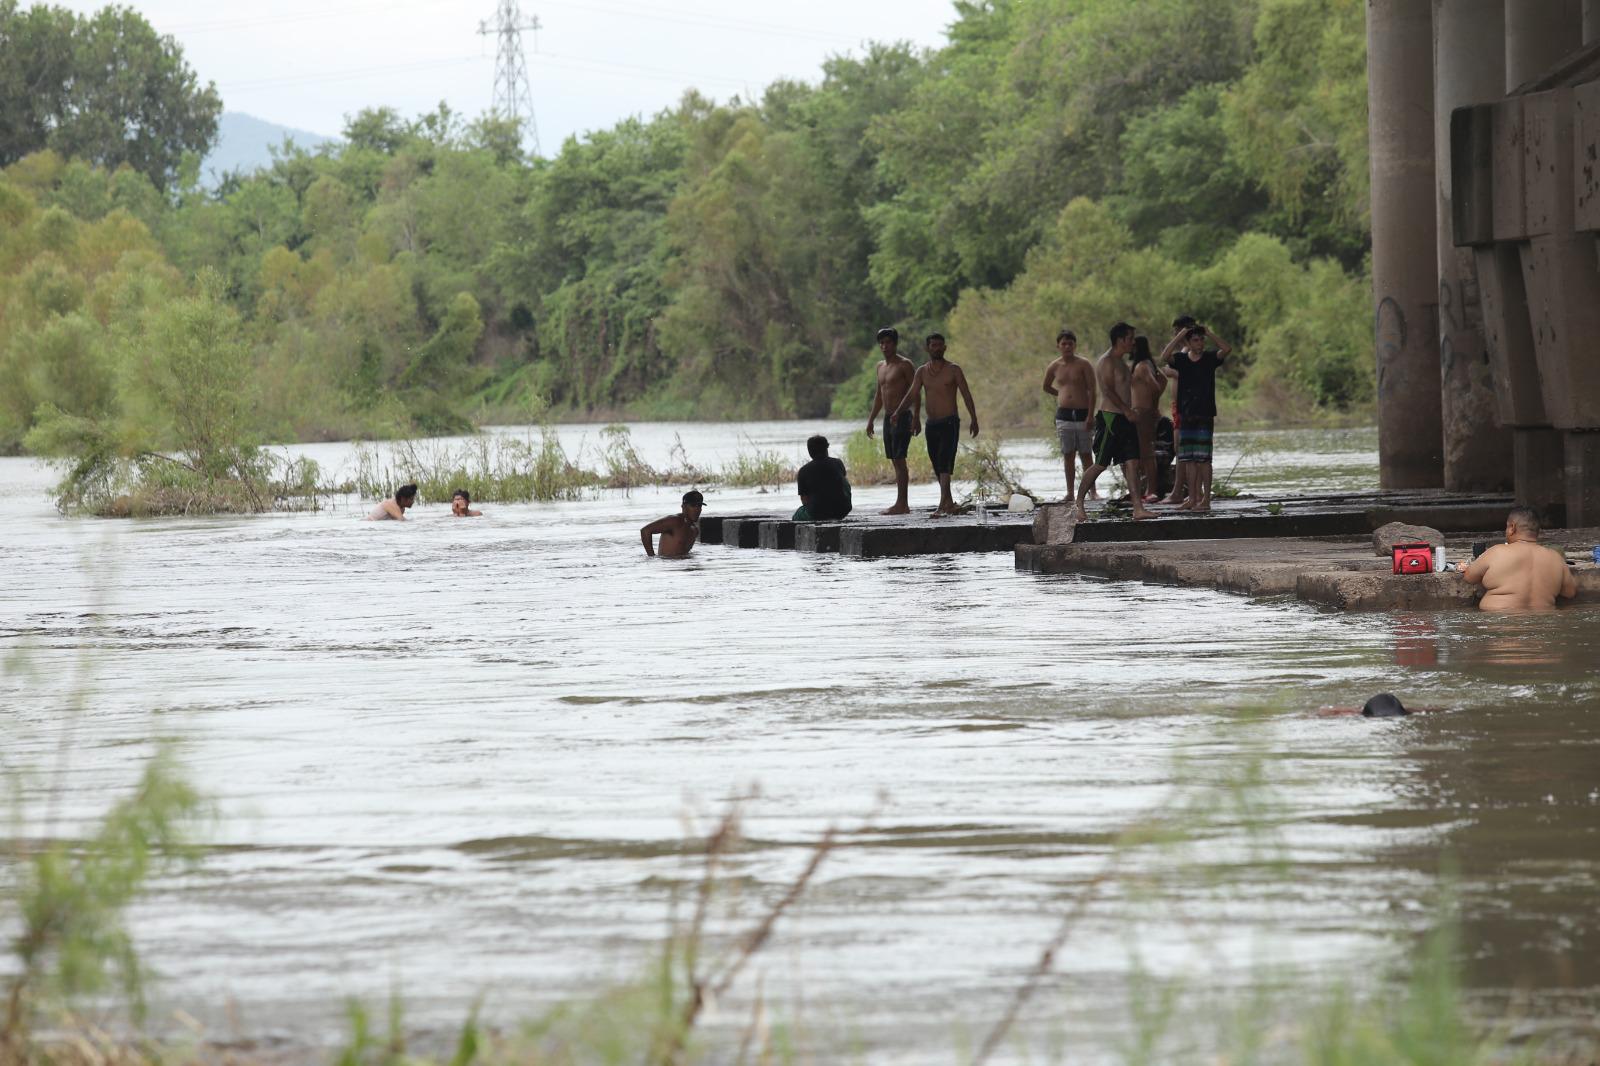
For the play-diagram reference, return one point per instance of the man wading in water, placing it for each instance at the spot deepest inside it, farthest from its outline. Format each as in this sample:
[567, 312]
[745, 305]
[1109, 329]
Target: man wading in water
[894, 379]
[1116, 440]
[941, 380]
[394, 508]
[678, 531]
[1070, 379]
[1521, 574]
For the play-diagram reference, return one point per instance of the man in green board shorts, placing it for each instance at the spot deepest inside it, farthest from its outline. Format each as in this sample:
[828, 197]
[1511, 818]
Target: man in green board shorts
[1116, 439]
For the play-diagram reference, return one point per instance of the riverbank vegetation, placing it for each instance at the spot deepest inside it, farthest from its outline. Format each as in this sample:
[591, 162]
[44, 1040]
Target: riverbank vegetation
[1067, 162]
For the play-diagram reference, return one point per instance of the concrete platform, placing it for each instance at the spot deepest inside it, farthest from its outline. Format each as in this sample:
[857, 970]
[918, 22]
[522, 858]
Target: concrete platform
[1340, 573]
[874, 536]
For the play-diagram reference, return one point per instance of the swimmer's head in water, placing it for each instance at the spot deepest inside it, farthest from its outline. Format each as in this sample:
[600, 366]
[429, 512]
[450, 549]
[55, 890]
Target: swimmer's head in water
[692, 503]
[405, 495]
[1384, 705]
[460, 502]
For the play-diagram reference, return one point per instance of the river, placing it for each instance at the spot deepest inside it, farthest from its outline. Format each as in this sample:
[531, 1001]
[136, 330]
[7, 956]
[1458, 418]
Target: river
[460, 759]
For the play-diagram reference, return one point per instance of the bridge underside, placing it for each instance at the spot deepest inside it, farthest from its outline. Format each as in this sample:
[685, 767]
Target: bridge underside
[1485, 138]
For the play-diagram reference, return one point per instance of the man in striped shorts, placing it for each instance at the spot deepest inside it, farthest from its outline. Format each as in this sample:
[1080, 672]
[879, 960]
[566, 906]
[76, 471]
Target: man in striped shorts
[1194, 367]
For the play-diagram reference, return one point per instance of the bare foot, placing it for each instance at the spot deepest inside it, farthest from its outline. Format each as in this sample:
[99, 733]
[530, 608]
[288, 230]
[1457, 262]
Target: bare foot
[1203, 506]
[1094, 494]
[1174, 498]
[898, 508]
[1141, 513]
[1083, 516]
[1186, 505]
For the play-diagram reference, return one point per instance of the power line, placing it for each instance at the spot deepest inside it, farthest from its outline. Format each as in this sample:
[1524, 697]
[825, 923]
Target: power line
[345, 75]
[718, 22]
[513, 96]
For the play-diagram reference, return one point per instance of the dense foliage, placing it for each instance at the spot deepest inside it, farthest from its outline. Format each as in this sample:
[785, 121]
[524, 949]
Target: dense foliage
[1058, 162]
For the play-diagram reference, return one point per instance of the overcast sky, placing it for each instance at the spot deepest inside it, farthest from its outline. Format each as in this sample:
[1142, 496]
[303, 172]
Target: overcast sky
[307, 64]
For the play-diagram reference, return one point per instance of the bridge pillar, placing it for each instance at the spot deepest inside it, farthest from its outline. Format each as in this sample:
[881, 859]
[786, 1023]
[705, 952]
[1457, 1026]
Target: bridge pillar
[1538, 33]
[1591, 21]
[1404, 246]
[1468, 68]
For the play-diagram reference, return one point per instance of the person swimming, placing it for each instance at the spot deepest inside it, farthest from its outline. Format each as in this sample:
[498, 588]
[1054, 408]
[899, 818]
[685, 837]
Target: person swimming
[461, 505]
[394, 508]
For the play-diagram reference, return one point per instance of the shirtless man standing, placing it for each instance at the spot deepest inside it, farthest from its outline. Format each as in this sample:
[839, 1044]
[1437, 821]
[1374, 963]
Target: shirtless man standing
[894, 380]
[1070, 379]
[941, 379]
[1147, 385]
[1116, 439]
[678, 531]
[1521, 574]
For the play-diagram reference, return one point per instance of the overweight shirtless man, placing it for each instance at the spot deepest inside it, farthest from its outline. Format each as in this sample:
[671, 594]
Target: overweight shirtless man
[1116, 438]
[894, 381]
[678, 531]
[1070, 379]
[1521, 574]
[941, 380]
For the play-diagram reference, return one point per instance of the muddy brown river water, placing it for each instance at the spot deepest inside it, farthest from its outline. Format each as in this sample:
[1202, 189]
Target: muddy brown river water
[460, 759]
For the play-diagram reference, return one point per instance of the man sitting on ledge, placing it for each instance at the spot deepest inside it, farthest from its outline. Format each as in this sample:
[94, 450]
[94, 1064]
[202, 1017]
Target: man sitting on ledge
[824, 486]
[1521, 574]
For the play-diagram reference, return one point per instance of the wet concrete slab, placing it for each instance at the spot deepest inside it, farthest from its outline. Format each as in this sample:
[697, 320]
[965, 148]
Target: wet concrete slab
[875, 536]
[1340, 573]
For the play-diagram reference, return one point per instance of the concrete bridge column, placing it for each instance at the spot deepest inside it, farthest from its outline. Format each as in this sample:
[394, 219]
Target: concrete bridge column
[1538, 33]
[1468, 68]
[1591, 21]
[1404, 244]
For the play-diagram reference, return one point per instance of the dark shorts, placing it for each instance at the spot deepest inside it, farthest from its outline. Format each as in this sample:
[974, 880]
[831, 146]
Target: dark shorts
[1194, 440]
[1116, 441]
[897, 435]
[943, 435]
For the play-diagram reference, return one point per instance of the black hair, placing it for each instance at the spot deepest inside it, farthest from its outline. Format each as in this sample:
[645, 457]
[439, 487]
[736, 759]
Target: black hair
[1066, 335]
[1119, 331]
[890, 332]
[1184, 321]
[1525, 519]
[1384, 705]
[1195, 331]
[817, 446]
[933, 337]
[405, 490]
[462, 493]
[1141, 349]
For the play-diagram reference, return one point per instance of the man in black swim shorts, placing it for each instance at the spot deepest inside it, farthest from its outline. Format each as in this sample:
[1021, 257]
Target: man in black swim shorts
[941, 380]
[1116, 438]
[894, 380]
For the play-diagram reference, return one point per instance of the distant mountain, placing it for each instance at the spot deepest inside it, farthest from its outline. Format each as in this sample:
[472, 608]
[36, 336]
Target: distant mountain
[243, 143]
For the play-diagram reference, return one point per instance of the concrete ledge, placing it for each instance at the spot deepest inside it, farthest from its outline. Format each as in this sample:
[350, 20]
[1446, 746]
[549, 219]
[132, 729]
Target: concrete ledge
[1342, 574]
[776, 536]
[934, 537]
[816, 536]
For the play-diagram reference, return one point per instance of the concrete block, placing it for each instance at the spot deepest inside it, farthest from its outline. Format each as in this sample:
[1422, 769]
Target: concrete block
[1582, 470]
[1564, 308]
[743, 532]
[1539, 456]
[1547, 162]
[1508, 335]
[776, 536]
[816, 536]
[1586, 157]
[1472, 175]
[1510, 205]
[932, 538]
[1386, 592]
[1053, 523]
[711, 528]
[1386, 536]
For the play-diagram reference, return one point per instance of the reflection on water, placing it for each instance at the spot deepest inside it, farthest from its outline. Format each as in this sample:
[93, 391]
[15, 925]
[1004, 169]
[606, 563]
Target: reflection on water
[459, 757]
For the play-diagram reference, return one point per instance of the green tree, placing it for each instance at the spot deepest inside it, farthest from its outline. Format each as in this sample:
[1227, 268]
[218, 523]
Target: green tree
[105, 88]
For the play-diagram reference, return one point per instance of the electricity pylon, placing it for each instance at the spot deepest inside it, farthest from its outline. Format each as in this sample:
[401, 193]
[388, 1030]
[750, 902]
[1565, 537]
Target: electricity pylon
[513, 98]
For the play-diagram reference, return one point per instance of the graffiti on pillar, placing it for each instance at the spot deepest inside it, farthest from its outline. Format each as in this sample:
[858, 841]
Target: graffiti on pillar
[1389, 332]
